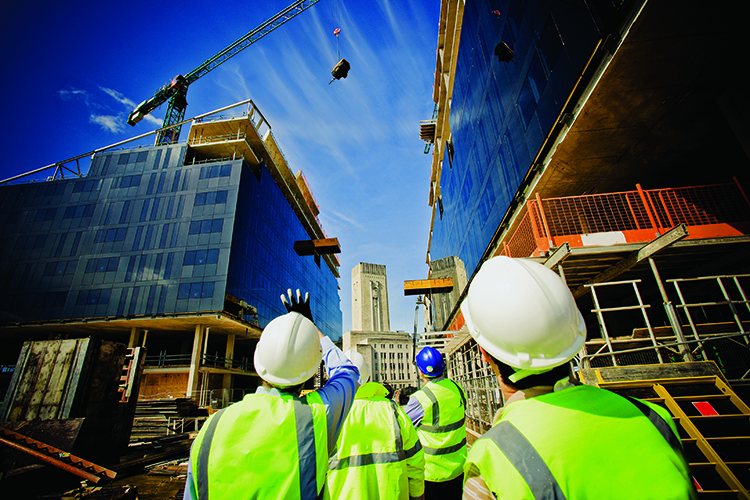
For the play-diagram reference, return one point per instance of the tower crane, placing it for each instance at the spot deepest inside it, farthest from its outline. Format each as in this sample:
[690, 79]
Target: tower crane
[176, 90]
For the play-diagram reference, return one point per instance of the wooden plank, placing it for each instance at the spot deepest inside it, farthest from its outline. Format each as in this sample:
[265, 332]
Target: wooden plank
[593, 376]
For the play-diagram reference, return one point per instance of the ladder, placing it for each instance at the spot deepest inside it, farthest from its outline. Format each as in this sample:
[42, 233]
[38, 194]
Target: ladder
[714, 426]
[54, 456]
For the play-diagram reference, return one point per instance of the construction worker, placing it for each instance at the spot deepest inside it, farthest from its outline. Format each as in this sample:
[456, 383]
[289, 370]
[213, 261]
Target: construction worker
[378, 454]
[438, 412]
[553, 438]
[275, 444]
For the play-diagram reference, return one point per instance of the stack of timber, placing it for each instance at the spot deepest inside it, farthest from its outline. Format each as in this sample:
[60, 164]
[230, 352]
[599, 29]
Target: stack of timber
[152, 418]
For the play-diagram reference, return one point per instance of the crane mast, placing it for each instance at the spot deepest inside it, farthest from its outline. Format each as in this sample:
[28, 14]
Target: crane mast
[176, 90]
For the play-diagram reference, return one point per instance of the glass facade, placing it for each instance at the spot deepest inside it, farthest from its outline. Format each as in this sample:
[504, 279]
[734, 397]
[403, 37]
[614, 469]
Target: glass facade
[144, 234]
[502, 112]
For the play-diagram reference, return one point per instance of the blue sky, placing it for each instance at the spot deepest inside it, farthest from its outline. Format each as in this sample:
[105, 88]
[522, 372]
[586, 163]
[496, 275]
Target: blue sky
[74, 73]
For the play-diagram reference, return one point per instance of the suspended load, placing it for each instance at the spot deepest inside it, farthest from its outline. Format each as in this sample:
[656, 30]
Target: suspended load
[340, 70]
[342, 67]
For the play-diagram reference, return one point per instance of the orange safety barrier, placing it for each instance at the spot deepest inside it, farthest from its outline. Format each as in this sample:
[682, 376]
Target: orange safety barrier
[628, 217]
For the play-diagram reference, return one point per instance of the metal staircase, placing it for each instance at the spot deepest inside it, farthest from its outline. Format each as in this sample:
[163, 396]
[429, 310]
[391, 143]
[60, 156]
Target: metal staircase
[714, 426]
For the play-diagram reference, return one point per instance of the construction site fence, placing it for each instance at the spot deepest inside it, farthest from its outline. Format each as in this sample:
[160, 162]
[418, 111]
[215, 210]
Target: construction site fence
[628, 217]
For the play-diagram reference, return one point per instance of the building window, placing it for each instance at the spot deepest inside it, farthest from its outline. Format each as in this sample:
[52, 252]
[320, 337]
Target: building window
[102, 265]
[206, 226]
[45, 214]
[60, 268]
[200, 257]
[109, 235]
[79, 211]
[212, 198]
[86, 186]
[93, 297]
[196, 290]
[127, 181]
[216, 171]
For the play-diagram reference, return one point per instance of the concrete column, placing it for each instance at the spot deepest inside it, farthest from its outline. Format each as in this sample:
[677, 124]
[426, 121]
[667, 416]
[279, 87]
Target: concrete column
[226, 384]
[195, 360]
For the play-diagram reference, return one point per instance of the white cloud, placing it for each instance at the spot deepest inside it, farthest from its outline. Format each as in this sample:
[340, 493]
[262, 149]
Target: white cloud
[74, 94]
[152, 119]
[113, 124]
[119, 97]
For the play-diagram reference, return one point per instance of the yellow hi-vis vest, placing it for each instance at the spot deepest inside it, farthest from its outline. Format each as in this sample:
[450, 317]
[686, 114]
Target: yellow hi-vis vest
[378, 454]
[581, 442]
[442, 431]
[265, 446]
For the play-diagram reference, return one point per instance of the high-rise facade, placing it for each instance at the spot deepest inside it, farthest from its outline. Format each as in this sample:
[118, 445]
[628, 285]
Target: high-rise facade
[587, 136]
[370, 298]
[185, 247]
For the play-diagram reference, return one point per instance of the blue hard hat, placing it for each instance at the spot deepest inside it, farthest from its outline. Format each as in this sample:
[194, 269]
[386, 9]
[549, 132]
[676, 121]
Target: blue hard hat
[430, 362]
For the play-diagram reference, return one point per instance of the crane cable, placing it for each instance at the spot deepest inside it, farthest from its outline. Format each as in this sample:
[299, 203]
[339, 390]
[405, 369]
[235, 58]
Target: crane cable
[336, 22]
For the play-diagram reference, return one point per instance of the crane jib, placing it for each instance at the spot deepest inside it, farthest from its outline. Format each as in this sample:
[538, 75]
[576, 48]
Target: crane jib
[171, 92]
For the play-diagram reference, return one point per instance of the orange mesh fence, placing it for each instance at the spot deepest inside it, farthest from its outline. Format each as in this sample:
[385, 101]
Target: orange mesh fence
[522, 243]
[700, 205]
[625, 211]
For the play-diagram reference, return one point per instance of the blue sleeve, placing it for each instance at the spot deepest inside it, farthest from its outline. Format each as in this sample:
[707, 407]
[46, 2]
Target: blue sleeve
[338, 393]
[189, 484]
[414, 411]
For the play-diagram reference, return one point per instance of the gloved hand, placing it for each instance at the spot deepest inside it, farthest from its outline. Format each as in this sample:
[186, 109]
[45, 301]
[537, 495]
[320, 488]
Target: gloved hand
[297, 303]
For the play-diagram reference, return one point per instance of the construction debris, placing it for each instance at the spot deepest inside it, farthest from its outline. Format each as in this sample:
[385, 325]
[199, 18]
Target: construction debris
[158, 418]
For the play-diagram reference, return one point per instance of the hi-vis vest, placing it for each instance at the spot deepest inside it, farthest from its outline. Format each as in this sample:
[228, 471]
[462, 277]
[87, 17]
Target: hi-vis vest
[270, 447]
[377, 451]
[442, 430]
[581, 442]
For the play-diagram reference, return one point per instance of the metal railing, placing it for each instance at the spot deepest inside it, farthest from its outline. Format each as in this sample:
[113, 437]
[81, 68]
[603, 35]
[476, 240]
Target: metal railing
[209, 139]
[717, 319]
[163, 360]
[629, 216]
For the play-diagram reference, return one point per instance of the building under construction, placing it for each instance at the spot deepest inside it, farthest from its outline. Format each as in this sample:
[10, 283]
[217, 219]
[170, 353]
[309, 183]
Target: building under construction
[609, 142]
[183, 249]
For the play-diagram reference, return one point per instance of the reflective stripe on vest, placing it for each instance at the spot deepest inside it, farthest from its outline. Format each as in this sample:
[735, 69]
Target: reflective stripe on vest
[534, 471]
[306, 445]
[442, 429]
[378, 458]
[306, 451]
[522, 455]
[205, 449]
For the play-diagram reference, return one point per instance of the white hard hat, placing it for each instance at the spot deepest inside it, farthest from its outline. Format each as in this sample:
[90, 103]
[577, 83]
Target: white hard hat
[523, 314]
[359, 361]
[288, 352]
